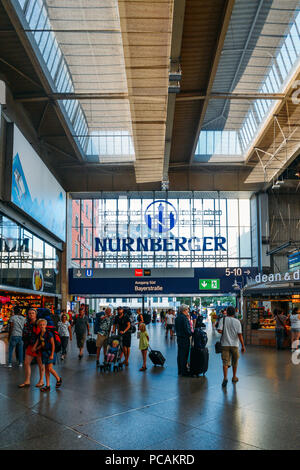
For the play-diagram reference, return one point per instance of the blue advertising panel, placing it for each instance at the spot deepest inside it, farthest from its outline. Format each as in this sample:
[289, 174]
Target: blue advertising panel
[157, 281]
[34, 188]
[294, 261]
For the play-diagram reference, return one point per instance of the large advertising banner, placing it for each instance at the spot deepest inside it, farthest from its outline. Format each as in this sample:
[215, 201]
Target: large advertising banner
[34, 188]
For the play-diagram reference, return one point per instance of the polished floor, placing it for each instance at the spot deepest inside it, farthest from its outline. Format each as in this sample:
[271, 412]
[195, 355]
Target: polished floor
[156, 409]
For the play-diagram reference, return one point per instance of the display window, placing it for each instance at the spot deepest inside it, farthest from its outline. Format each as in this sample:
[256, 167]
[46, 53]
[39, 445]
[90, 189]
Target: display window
[27, 261]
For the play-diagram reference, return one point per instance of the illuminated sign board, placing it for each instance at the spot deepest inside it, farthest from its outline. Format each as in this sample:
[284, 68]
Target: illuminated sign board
[164, 281]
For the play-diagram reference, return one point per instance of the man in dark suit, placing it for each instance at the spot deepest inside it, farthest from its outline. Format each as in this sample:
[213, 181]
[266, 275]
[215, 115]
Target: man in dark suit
[183, 333]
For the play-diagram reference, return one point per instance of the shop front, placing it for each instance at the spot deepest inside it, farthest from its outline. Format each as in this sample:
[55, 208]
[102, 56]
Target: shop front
[260, 304]
[29, 270]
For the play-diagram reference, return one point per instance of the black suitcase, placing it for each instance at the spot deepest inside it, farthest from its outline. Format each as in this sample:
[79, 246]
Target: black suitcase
[91, 346]
[199, 361]
[156, 357]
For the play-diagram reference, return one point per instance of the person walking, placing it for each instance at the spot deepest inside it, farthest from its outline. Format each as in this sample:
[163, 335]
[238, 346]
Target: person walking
[81, 329]
[30, 333]
[46, 345]
[183, 332]
[139, 317]
[143, 345]
[169, 323]
[213, 318]
[231, 330]
[295, 328]
[65, 332]
[16, 325]
[104, 324]
[123, 325]
[281, 323]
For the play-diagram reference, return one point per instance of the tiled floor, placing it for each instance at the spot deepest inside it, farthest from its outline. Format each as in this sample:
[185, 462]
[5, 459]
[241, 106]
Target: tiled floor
[157, 409]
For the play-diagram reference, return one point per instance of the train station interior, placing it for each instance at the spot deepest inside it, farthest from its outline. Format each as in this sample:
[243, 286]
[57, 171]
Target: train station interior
[150, 162]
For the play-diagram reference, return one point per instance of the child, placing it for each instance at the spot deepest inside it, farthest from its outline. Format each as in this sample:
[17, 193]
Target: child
[45, 343]
[144, 343]
[112, 351]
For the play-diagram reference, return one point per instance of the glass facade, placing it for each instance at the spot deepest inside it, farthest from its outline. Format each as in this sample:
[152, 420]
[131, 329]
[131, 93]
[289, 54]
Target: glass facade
[199, 232]
[26, 261]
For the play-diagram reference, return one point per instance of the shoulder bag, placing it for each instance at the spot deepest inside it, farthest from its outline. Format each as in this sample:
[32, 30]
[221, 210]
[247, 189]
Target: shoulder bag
[218, 345]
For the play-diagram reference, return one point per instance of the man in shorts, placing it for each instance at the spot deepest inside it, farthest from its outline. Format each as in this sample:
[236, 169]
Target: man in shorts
[81, 328]
[104, 327]
[170, 322]
[231, 337]
[123, 325]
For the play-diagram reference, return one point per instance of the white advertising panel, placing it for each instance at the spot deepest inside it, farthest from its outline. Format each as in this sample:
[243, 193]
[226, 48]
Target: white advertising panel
[35, 190]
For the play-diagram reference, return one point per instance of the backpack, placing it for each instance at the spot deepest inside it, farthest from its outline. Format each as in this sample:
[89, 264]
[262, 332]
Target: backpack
[199, 338]
[97, 322]
[147, 318]
[56, 337]
[199, 322]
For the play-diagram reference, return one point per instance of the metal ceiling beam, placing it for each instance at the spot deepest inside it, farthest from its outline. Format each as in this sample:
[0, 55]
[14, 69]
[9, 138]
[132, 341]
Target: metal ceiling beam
[177, 31]
[22, 74]
[183, 96]
[32, 52]
[220, 43]
[33, 97]
[230, 96]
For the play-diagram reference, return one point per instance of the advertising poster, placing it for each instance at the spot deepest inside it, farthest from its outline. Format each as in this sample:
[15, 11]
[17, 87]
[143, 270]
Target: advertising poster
[34, 188]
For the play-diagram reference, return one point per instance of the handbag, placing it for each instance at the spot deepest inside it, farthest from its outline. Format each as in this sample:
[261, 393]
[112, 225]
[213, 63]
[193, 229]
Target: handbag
[218, 345]
[286, 330]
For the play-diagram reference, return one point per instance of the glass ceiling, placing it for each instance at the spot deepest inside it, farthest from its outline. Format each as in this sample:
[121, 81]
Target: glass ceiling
[81, 45]
[260, 53]
[102, 47]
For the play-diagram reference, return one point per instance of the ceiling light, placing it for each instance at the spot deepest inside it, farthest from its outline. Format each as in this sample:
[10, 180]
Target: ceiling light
[275, 186]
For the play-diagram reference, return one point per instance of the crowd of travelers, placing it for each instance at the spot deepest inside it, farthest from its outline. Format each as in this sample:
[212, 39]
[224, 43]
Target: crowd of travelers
[42, 336]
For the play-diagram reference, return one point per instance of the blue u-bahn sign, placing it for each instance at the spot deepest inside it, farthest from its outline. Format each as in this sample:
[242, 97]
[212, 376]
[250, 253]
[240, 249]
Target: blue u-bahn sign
[157, 281]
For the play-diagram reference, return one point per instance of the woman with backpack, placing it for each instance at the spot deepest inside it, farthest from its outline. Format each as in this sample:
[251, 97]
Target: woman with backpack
[30, 333]
[46, 345]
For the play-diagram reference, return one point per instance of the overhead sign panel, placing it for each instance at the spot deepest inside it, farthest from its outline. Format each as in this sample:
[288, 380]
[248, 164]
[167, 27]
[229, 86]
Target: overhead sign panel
[160, 281]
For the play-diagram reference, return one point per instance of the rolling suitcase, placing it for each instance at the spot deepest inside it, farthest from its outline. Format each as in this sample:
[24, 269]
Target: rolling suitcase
[91, 346]
[199, 361]
[156, 357]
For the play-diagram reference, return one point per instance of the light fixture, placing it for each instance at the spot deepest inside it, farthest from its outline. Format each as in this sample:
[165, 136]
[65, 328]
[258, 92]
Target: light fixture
[297, 174]
[175, 73]
[165, 185]
[235, 285]
[174, 87]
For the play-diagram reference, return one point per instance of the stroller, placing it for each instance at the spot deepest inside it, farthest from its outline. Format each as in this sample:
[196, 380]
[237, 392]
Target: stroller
[116, 362]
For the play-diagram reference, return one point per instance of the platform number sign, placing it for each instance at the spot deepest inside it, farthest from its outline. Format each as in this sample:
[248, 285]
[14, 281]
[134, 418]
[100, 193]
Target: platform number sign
[209, 284]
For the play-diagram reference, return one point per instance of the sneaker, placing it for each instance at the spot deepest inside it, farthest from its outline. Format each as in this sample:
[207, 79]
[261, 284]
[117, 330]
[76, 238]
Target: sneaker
[62, 357]
[21, 365]
[9, 365]
[224, 383]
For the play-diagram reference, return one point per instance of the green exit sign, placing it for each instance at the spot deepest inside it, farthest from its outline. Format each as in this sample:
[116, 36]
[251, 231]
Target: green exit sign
[209, 284]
